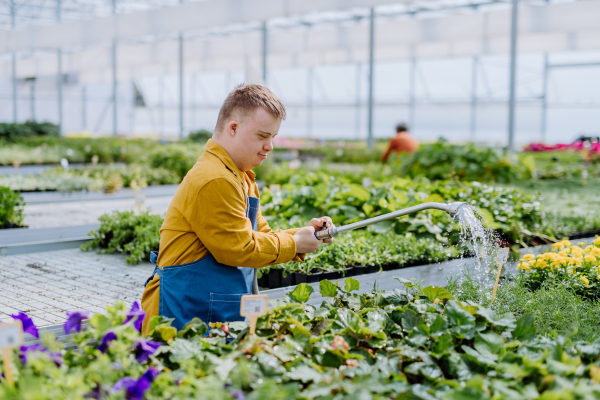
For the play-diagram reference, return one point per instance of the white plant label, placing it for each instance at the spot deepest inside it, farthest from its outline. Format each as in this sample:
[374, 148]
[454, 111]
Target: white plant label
[502, 256]
[10, 335]
[254, 305]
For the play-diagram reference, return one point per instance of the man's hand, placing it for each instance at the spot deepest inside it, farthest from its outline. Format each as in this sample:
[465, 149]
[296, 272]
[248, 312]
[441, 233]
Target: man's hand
[318, 223]
[306, 242]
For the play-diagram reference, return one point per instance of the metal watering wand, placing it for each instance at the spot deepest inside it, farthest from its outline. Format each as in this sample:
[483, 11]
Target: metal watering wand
[451, 209]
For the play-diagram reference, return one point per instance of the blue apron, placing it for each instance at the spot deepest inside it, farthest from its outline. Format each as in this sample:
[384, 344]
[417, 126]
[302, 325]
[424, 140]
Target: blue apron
[205, 288]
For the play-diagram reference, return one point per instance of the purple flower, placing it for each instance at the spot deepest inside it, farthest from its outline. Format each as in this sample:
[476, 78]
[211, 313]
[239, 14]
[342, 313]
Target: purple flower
[137, 314]
[109, 337]
[28, 325]
[56, 357]
[237, 394]
[135, 389]
[27, 349]
[144, 349]
[74, 321]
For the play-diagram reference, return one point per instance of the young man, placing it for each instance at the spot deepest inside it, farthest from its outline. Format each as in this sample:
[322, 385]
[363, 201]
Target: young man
[214, 236]
[401, 142]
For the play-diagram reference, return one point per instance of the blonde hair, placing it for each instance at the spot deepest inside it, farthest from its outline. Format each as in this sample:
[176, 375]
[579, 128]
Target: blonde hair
[246, 98]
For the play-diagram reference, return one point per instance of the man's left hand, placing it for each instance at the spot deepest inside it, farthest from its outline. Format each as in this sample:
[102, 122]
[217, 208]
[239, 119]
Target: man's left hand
[317, 223]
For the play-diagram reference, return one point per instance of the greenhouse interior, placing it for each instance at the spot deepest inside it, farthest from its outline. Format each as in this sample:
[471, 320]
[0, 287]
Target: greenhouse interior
[403, 194]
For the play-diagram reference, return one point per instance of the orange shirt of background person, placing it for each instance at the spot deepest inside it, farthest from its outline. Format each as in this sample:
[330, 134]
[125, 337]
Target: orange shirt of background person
[401, 142]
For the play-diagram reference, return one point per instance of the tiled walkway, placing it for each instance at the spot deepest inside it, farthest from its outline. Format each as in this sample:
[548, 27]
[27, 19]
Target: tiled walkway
[45, 285]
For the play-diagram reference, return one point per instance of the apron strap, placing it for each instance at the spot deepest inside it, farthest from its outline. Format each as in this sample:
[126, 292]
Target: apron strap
[158, 271]
[153, 256]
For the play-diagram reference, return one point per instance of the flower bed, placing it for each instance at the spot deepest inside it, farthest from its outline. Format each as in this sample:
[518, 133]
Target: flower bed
[373, 345]
[577, 264]
[11, 208]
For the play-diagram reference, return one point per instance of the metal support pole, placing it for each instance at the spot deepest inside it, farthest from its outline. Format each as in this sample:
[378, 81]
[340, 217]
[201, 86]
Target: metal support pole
[83, 109]
[14, 64]
[180, 86]
[60, 75]
[474, 98]
[114, 87]
[544, 99]
[59, 82]
[32, 99]
[264, 51]
[114, 76]
[14, 86]
[309, 102]
[412, 88]
[371, 76]
[513, 76]
[357, 113]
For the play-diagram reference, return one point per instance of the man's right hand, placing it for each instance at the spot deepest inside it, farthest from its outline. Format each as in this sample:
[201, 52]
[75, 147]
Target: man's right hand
[306, 242]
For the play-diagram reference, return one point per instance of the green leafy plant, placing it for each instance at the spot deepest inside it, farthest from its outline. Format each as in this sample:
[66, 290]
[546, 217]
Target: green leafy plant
[201, 135]
[11, 208]
[373, 344]
[125, 232]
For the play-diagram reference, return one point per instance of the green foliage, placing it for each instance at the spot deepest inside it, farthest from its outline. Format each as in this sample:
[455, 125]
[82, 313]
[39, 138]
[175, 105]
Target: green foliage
[125, 232]
[13, 131]
[374, 345]
[200, 136]
[176, 157]
[11, 208]
[517, 216]
[65, 182]
[442, 160]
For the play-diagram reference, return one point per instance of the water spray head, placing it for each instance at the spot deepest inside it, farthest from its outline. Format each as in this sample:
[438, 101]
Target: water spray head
[452, 208]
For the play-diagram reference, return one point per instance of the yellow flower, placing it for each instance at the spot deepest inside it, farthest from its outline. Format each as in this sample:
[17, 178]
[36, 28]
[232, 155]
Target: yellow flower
[597, 241]
[576, 251]
[577, 261]
[588, 249]
[524, 265]
[528, 257]
[595, 251]
[558, 246]
[590, 258]
[584, 280]
[563, 253]
[566, 243]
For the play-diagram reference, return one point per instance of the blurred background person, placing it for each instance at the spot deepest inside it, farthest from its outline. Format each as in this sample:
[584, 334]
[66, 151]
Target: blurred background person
[402, 142]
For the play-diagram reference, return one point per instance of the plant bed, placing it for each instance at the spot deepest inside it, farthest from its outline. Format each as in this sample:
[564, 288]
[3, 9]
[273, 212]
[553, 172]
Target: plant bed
[374, 345]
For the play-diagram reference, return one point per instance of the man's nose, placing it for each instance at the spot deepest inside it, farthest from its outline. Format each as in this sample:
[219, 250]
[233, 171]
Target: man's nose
[269, 145]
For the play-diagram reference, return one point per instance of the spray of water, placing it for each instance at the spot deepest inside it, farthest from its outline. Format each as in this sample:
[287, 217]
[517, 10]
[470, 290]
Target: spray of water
[477, 239]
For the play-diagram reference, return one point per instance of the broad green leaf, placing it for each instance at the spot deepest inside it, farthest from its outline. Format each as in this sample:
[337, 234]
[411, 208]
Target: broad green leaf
[411, 320]
[463, 323]
[504, 320]
[419, 336]
[165, 332]
[443, 344]
[100, 322]
[181, 350]
[305, 374]
[439, 326]
[301, 293]
[488, 343]
[351, 284]
[525, 329]
[328, 289]
[345, 319]
[195, 327]
[359, 192]
[436, 292]
[158, 320]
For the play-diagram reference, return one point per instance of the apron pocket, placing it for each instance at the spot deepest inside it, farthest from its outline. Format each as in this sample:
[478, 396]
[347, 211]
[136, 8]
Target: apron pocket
[225, 307]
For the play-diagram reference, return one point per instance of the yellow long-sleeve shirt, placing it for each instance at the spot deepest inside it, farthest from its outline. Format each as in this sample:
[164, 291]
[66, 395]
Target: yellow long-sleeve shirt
[208, 215]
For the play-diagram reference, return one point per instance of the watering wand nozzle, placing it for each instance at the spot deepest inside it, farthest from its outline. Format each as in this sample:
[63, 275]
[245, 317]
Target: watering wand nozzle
[451, 209]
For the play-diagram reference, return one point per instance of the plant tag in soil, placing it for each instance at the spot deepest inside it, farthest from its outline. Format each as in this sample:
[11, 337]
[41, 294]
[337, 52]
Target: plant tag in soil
[11, 335]
[502, 256]
[253, 306]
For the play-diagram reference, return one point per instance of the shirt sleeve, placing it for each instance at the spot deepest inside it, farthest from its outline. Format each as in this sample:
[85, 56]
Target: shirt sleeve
[263, 226]
[218, 216]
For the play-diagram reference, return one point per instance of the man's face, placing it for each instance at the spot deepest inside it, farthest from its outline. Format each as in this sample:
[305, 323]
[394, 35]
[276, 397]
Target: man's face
[253, 138]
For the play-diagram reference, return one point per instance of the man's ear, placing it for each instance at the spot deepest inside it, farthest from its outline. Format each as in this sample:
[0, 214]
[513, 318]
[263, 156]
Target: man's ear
[232, 127]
